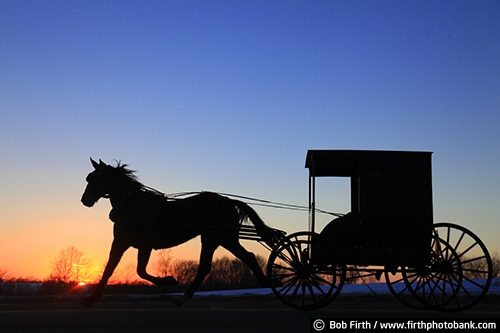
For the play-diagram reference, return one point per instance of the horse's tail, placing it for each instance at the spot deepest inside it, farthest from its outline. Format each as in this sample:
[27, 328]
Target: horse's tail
[270, 236]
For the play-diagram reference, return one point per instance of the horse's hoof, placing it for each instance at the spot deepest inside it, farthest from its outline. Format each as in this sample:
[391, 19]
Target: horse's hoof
[169, 281]
[181, 300]
[165, 281]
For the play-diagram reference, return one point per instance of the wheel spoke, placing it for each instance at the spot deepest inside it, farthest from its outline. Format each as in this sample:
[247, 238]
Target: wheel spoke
[311, 291]
[287, 285]
[299, 281]
[322, 280]
[444, 282]
[459, 241]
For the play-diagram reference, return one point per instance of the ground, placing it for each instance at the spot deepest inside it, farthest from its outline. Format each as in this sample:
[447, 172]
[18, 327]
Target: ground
[210, 313]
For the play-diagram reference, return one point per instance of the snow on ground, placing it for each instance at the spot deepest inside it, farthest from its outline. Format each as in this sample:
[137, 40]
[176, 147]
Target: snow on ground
[377, 288]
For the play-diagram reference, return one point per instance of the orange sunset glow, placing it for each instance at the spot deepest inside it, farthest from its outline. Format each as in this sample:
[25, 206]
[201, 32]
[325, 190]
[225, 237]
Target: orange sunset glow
[29, 254]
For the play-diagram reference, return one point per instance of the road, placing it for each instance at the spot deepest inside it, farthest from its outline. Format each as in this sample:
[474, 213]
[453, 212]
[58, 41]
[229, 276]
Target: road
[207, 314]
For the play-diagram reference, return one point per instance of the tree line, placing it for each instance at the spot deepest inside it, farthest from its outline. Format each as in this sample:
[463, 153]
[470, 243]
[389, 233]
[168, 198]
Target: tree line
[226, 272]
[71, 270]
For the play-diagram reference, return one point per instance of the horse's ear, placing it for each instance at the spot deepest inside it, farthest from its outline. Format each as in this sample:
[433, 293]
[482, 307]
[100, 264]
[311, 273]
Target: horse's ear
[94, 163]
[101, 163]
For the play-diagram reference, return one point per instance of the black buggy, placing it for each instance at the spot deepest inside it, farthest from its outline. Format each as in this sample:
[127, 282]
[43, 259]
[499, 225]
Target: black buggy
[388, 234]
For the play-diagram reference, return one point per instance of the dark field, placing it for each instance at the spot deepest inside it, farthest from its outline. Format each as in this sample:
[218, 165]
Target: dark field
[246, 313]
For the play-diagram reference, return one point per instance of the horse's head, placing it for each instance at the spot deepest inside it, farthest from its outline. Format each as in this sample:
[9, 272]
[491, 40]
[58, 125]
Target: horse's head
[109, 182]
[98, 183]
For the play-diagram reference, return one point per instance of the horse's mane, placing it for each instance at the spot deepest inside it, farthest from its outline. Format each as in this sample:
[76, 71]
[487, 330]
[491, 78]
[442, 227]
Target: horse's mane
[122, 171]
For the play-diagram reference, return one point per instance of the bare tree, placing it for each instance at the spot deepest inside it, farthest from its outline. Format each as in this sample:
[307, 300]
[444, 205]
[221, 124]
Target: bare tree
[184, 271]
[128, 274]
[164, 263]
[225, 272]
[230, 273]
[233, 273]
[495, 259]
[477, 267]
[70, 266]
[123, 274]
[4, 275]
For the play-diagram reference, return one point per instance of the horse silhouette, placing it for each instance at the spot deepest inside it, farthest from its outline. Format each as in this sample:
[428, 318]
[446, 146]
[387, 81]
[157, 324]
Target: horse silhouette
[145, 219]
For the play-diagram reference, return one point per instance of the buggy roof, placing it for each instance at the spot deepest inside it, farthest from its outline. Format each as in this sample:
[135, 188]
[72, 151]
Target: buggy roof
[345, 163]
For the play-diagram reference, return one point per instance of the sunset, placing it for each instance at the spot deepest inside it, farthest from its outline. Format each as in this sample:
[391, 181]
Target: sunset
[228, 97]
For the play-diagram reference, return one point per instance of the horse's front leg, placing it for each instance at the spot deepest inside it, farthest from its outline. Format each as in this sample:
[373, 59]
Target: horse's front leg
[117, 249]
[143, 256]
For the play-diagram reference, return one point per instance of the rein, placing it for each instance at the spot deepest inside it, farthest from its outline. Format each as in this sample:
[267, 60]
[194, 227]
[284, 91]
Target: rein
[250, 200]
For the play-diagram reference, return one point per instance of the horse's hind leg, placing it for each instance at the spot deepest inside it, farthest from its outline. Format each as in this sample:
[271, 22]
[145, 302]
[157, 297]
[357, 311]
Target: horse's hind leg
[143, 255]
[248, 258]
[207, 252]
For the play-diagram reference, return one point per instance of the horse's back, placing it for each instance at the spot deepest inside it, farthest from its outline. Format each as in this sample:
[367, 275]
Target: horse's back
[161, 223]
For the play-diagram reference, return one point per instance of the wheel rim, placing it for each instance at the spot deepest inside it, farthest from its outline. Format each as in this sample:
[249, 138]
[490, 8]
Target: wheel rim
[301, 276]
[437, 283]
[395, 283]
[446, 267]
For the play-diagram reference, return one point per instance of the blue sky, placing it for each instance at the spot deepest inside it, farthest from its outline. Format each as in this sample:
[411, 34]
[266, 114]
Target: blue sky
[229, 96]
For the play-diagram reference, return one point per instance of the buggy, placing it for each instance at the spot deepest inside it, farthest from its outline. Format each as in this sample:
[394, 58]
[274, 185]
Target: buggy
[389, 234]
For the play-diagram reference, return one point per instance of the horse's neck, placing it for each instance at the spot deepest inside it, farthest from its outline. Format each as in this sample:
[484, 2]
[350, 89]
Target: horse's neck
[118, 197]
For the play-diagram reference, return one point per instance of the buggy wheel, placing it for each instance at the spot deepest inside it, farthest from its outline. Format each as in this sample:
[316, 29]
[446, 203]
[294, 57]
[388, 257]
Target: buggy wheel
[303, 273]
[395, 283]
[446, 267]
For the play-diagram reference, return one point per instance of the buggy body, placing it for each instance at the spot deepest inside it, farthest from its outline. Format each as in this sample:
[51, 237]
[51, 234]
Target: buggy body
[391, 199]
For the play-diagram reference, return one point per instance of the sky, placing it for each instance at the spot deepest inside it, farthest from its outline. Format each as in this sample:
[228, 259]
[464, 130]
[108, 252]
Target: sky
[228, 96]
